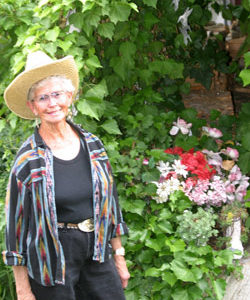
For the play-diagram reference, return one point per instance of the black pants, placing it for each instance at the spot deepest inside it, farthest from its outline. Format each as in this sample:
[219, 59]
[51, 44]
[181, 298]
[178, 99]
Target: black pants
[85, 279]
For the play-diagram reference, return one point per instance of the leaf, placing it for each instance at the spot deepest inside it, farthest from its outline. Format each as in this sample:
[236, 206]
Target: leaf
[246, 141]
[97, 92]
[89, 108]
[119, 11]
[77, 20]
[106, 30]
[165, 226]
[42, 3]
[169, 277]
[244, 162]
[111, 127]
[180, 294]
[175, 245]
[247, 59]
[170, 67]
[245, 76]
[120, 67]
[150, 3]
[151, 176]
[135, 207]
[246, 4]
[93, 62]
[2, 125]
[195, 292]
[128, 50]
[153, 272]
[52, 34]
[182, 272]
[219, 287]
[65, 45]
[157, 243]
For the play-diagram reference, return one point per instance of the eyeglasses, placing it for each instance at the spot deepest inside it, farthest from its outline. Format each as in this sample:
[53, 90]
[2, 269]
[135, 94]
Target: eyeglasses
[46, 97]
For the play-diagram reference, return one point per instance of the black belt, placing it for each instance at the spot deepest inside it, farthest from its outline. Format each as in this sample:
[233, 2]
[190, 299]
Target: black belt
[86, 225]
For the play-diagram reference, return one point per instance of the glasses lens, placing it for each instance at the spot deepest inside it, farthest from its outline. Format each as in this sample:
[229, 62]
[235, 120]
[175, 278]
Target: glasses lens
[43, 98]
[56, 95]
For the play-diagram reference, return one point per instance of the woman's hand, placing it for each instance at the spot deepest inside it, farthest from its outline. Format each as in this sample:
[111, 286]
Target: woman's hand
[23, 289]
[25, 295]
[122, 269]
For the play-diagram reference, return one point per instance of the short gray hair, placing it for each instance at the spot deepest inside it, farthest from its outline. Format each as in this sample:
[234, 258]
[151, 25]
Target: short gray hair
[67, 85]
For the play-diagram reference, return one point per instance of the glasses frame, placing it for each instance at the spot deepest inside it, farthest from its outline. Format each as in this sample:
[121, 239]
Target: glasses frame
[45, 98]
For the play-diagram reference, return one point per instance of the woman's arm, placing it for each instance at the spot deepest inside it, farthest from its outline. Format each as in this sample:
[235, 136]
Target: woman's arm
[120, 262]
[23, 288]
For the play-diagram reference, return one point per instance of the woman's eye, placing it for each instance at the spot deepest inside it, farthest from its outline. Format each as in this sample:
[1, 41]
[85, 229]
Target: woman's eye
[56, 94]
[43, 98]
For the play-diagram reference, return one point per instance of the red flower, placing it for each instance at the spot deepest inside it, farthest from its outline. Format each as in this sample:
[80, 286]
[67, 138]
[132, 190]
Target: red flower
[175, 151]
[197, 164]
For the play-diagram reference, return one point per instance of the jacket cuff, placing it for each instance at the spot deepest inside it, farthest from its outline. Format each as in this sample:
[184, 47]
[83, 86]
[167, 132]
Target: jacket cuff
[12, 258]
[120, 229]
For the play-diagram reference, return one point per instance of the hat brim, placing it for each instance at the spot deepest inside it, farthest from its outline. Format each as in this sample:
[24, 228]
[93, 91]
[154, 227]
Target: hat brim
[16, 93]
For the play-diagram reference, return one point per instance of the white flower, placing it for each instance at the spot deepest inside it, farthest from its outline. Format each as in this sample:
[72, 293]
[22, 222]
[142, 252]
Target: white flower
[179, 168]
[165, 188]
[164, 168]
[181, 125]
[162, 192]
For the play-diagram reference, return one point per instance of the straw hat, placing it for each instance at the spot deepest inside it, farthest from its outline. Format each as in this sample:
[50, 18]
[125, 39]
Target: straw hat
[38, 66]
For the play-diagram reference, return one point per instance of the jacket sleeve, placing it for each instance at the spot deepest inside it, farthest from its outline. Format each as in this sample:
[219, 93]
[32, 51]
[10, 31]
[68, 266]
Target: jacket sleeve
[119, 226]
[16, 223]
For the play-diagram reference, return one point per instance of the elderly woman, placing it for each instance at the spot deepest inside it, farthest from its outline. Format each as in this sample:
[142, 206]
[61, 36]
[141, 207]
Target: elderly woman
[63, 215]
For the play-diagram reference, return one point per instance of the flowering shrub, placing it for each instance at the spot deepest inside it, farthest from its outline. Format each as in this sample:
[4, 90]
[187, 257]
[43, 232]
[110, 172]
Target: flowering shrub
[197, 227]
[205, 177]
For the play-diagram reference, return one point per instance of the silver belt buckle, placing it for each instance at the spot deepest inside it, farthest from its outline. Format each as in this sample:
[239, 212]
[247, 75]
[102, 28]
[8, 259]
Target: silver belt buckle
[86, 225]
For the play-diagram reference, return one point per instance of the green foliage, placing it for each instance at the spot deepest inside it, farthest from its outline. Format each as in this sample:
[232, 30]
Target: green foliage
[197, 227]
[245, 74]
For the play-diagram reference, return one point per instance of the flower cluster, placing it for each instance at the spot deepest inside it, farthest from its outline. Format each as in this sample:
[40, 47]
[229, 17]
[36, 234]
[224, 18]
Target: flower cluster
[203, 176]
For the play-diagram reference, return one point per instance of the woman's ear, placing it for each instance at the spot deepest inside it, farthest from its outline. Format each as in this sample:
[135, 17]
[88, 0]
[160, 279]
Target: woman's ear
[31, 106]
[69, 98]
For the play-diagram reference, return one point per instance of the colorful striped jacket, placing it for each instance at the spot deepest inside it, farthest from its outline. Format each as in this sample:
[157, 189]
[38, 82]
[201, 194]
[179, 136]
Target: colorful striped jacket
[31, 231]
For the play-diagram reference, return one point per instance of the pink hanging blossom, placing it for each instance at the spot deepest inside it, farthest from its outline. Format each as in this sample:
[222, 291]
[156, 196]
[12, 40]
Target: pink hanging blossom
[212, 132]
[181, 125]
[230, 152]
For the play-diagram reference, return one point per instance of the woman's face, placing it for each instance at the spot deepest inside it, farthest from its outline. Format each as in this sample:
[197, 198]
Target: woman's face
[51, 102]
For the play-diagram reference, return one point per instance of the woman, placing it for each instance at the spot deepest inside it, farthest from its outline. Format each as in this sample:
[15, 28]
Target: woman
[63, 215]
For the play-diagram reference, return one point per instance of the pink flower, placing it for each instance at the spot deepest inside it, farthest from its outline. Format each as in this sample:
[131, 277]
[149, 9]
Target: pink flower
[235, 174]
[213, 158]
[181, 125]
[230, 188]
[145, 161]
[212, 132]
[230, 152]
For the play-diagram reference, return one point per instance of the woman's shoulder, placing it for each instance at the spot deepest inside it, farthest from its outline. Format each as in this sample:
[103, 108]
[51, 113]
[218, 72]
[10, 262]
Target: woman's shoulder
[26, 148]
[89, 136]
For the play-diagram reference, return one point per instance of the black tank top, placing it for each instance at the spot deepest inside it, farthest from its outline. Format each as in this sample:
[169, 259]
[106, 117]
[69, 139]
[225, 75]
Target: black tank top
[73, 188]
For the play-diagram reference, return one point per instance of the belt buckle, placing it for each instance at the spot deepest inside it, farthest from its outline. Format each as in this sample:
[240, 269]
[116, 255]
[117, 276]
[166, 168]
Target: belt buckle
[86, 225]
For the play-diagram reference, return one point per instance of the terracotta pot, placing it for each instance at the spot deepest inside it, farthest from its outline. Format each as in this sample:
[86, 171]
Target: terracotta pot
[234, 46]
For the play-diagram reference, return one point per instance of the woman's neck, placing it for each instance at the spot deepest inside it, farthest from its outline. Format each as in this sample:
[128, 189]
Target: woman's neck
[56, 131]
[61, 138]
